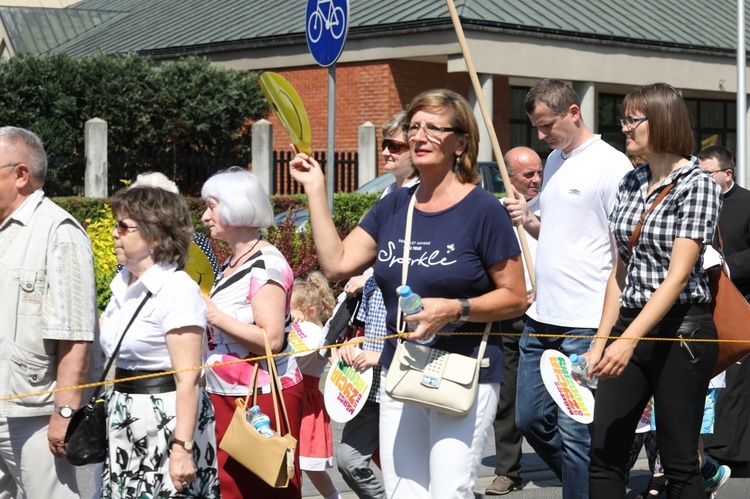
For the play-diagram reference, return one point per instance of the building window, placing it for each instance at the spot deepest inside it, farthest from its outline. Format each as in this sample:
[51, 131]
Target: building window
[522, 133]
[714, 122]
[609, 120]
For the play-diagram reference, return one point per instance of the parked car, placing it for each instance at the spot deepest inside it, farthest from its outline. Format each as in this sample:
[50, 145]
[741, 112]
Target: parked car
[490, 180]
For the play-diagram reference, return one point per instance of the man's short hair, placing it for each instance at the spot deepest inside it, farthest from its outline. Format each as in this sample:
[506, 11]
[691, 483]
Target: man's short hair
[721, 154]
[28, 147]
[557, 95]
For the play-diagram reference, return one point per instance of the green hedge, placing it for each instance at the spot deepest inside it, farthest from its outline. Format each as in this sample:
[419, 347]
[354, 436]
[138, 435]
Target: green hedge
[297, 246]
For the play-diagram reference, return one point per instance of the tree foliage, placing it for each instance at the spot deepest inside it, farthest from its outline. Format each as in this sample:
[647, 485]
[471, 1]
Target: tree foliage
[178, 107]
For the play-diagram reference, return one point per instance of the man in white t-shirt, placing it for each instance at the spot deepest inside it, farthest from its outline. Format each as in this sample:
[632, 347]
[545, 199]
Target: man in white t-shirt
[575, 254]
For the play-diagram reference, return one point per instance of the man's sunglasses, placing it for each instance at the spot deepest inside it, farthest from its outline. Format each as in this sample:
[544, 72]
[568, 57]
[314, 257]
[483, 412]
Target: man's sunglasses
[394, 146]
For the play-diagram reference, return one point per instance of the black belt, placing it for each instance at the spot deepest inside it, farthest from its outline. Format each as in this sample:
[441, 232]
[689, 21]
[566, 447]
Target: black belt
[157, 384]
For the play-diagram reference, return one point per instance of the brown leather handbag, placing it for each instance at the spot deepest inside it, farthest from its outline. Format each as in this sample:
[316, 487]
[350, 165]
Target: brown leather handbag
[270, 458]
[731, 315]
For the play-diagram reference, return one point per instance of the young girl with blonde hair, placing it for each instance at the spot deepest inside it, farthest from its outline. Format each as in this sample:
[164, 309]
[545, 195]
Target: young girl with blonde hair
[312, 305]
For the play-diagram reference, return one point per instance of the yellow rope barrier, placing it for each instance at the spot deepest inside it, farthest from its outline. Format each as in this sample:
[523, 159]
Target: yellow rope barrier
[355, 341]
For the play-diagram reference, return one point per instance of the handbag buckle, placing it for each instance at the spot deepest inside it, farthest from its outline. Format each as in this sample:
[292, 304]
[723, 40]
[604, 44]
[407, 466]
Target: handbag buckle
[430, 381]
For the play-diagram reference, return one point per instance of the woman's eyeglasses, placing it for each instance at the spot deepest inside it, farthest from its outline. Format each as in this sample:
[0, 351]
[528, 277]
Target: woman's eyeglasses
[394, 146]
[434, 131]
[122, 228]
[628, 122]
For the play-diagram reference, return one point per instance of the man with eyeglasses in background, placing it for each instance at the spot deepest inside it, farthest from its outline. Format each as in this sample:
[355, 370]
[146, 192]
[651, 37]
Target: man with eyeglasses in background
[575, 255]
[48, 303]
[730, 442]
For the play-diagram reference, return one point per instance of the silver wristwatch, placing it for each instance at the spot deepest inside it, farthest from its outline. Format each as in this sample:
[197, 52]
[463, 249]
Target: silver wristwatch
[65, 411]
[465, 310]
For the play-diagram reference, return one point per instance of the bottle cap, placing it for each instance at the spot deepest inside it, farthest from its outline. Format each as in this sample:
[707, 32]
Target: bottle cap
[255, 409]
[404, 291]
[574, 358]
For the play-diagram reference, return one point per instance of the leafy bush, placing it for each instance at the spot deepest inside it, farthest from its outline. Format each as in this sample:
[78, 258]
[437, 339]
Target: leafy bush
[105, 262]
[297, 246]
[185, 105]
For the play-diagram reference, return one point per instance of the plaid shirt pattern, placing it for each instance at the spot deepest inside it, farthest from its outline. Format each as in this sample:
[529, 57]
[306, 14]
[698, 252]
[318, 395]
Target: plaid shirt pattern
[372, 313]
[690, 210]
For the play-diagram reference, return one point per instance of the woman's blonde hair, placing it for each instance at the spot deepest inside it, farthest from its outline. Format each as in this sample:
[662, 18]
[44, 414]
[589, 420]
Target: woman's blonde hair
[315, 292]
[462, 117]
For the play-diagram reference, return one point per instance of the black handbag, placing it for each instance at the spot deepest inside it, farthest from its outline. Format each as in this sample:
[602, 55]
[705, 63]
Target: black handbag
[86, 437]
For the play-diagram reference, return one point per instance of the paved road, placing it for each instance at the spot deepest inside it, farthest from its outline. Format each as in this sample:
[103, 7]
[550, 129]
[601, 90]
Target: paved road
[539, 481]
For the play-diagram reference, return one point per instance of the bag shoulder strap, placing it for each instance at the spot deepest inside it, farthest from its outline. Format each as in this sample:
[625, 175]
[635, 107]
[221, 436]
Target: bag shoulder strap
[119, 343]
[275, 387]
[637, 232]
[401, 325]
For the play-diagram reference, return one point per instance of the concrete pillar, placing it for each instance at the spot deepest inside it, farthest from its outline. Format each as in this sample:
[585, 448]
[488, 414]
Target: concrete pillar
[367, 145]
[262, 154]
[95, 144]
[485, 146]
[586, 90]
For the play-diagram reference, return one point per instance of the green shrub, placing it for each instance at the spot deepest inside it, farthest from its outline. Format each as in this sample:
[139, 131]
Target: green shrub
[105, 263]
[297, 246]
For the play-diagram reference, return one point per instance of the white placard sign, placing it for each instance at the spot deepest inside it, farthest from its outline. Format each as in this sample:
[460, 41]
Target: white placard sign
[577, 401]
[304, 338]
[346, 390]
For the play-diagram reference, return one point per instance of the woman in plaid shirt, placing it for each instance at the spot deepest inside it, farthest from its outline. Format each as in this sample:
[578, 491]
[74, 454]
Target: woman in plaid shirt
[657, 290]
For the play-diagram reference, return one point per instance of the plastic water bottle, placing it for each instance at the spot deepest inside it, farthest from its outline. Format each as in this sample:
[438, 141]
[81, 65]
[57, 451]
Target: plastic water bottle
[260, 421]
[411, 303]
[581, 368]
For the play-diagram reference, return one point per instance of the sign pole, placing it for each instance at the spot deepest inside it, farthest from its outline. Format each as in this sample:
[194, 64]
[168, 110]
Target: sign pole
[327, 25]
[331, 155]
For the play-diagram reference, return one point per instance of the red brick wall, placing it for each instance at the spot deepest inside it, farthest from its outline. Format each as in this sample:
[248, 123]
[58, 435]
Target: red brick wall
[374, 92]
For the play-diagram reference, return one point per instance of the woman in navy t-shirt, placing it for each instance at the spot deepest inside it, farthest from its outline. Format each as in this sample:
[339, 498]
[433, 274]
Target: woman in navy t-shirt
[465, 263]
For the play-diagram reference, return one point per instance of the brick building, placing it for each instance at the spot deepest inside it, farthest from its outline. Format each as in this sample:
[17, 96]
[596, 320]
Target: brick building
[396, 49]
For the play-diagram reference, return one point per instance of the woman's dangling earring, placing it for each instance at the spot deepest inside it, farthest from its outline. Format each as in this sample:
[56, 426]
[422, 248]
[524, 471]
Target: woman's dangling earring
[458, 162]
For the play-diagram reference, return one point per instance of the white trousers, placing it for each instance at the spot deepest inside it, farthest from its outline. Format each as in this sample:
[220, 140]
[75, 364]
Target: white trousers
[426, 454]
[27, 467]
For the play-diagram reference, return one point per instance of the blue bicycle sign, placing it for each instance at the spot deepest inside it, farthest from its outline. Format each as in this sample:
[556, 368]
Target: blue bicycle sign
[332, 20]
[327, 22]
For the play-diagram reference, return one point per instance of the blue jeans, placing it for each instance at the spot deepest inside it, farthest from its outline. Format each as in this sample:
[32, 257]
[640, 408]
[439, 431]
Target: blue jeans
[560, 441]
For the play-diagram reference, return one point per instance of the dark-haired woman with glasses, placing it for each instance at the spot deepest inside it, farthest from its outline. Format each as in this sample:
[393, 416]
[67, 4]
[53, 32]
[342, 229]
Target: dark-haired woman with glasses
[464, 262]
[162, 441]
[658, 289]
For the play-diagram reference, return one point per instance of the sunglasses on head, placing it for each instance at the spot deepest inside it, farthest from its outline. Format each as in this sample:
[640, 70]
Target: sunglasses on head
[394, 146]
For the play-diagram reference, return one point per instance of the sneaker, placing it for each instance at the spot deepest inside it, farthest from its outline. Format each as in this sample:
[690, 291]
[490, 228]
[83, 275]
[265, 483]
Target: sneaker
[720, 478]
[502, 485]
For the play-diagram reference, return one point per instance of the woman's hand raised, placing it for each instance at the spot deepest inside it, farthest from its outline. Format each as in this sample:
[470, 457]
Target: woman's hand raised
[305, 170]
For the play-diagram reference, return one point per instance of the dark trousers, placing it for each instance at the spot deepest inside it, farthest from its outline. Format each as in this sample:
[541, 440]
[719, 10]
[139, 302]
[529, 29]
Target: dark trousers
[508, 439]
[677, 374]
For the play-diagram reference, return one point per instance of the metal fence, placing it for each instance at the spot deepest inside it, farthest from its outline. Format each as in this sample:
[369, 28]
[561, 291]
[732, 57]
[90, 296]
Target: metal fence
[189, 171]
[345, 176]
